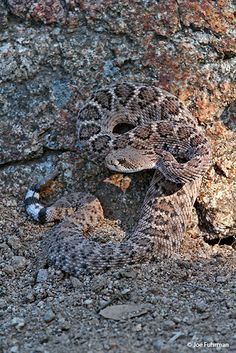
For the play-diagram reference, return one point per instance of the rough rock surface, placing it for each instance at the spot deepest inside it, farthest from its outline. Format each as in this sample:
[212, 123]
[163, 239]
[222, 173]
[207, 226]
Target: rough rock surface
[52, 54]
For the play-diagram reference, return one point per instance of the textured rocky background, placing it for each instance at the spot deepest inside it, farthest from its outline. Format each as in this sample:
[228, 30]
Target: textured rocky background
[52, 55]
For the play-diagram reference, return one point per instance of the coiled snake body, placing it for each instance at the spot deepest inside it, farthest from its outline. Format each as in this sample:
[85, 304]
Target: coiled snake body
[165, 138]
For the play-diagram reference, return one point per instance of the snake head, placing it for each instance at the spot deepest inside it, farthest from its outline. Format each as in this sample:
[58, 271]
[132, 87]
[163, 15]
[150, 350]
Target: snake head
[130, 160]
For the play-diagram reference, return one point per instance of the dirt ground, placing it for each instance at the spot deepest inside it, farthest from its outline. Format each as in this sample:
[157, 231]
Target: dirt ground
[181, 305]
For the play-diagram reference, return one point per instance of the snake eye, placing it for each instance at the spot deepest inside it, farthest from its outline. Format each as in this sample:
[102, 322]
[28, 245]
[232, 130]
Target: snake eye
[122, 128]
[111, 161]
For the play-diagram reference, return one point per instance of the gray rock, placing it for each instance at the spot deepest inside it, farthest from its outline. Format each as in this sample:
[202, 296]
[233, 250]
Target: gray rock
[201, 306]
[169, 325]
[64, 324]
[42, 275]
[232, 314]
[14, 242]
[76, 282]
[125, 311]
[14, 349]
[49, 316]
[18, 322]
[19, 263]
[3, 304]
[88, 301]
[8, 269]
[30, 297]
[158, 345]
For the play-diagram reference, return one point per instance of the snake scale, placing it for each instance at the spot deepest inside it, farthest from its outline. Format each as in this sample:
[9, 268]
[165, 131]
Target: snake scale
[164, 137]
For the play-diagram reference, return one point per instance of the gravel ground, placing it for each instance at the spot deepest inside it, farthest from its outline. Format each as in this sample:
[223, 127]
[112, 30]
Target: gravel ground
[181, 305]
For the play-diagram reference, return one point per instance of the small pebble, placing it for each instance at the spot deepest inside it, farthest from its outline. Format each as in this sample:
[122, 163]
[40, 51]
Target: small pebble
[8, 269]
[158, 345]
[11, 203]
[14, 349]
[18, 322]
[103, 303]
[30, 298]
[176, 319]
[221, 279]
[99, 284]
[168, 325]
[88, 301]
[138, 327]
[65, 325]
[166, 349]
[205, 316]
[76, 283]
[153, 300]
[3, 304]
[49, 316]
[128, 274]
[125, 291]
[14, 242]
[189, 320]
[44, 339]
[42, 275]
[232, 314]
[201, 306]
[19, 263]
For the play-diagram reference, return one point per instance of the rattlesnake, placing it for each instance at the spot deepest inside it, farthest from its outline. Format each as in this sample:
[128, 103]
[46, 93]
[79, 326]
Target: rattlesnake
[165, 138]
